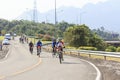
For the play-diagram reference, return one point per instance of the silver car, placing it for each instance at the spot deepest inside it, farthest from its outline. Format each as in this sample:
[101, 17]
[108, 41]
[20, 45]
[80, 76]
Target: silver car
[5, 42]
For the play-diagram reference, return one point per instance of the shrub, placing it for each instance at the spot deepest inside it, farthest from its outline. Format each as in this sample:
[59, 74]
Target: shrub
[110, 49]
[88, 48]
[69, 47]
[39, 36]
[118, 49]
[47, 38]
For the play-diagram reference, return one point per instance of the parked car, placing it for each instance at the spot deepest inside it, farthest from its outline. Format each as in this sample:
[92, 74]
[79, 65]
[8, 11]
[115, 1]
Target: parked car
[5, 42]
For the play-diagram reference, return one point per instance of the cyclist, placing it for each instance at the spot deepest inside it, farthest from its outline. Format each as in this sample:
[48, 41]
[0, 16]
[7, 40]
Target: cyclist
[31, 45]
[60, 46]
[54, 46]
[54, 43]
[39, 44]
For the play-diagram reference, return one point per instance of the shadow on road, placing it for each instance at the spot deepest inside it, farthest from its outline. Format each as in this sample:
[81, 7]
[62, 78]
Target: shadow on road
[69, 63]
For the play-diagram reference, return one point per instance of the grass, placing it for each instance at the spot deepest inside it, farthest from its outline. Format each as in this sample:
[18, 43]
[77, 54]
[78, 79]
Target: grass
[1, 38]
[94, 56]
[102, 57]
[113, 59]
[97, 57]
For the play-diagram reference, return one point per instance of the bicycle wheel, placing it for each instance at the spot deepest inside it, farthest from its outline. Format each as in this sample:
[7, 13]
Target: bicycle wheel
[31, 50]
[39, 51]
[54, 52]
[60, 57]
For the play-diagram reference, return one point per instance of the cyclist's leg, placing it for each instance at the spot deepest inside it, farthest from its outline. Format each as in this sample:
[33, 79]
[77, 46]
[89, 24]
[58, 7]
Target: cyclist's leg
[62, 54]
[32, 49]
[60, 57]
[29, 49]
[37, 51]
[54, 52]
[53, 49]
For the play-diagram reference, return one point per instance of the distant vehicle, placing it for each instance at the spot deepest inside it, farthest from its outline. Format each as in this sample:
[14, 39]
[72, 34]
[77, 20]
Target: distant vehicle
[8, 36]
[14, 35]
[5, 42]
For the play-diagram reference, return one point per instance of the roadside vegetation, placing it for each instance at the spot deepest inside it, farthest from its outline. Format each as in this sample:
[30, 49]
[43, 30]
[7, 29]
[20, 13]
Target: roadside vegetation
[1, 38]
[75, 36]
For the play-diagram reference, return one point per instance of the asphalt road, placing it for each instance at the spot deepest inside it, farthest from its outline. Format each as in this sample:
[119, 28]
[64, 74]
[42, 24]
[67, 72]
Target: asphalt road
[21, 65]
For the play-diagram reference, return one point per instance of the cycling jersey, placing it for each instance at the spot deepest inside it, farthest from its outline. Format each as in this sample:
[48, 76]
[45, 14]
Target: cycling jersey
[60, 44]
[39, 44]
[54, 44]
[31, 44]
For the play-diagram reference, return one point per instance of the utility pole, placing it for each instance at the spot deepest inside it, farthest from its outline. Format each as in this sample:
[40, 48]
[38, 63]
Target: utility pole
[55, 14]
[35, 17]
[55, 33]
[35, 12]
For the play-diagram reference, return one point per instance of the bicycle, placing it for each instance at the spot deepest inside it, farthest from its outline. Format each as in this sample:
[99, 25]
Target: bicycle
[31, 49]
[60, 54]
[38, 51]
[54, 52]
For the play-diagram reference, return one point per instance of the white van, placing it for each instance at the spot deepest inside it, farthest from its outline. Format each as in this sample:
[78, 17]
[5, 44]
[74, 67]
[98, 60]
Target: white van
[8, 36]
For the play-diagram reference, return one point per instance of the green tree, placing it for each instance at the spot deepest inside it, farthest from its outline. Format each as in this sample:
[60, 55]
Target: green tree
[77, 35]
[96, 41]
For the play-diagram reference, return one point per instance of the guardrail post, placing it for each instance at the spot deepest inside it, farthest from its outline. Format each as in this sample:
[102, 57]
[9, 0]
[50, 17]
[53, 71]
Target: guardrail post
[105, 57]
[89, 55]
[78, 54]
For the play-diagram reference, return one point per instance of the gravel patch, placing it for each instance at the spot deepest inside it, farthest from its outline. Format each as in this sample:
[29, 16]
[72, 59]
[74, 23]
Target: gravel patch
[110, 69]
[4, 52]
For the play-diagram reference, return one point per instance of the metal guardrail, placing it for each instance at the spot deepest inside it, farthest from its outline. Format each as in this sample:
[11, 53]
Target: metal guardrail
[89, 52]
[99, 53]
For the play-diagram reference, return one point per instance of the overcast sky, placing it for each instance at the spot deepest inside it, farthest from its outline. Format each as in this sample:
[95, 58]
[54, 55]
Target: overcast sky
[10, 9]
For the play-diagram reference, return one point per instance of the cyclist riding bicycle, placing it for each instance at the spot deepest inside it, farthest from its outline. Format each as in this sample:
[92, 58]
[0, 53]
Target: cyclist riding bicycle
[54, 44]
[31, 45]
[39, 44]
[60, 46]
[54, 47]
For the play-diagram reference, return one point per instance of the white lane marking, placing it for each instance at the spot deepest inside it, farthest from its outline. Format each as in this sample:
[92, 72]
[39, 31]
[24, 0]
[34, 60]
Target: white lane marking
[98, 77]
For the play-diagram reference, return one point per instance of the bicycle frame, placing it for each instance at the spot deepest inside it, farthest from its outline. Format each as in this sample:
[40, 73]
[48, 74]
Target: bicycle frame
[54, 51]
[31, 49]
[38, 50]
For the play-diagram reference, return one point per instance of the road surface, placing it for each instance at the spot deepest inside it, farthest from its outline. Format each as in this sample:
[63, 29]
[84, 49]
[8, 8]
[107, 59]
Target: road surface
[21, 65]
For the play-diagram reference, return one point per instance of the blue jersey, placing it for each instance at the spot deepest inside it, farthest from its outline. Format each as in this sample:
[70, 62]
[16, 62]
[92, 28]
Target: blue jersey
[54, 44]
[39, 44]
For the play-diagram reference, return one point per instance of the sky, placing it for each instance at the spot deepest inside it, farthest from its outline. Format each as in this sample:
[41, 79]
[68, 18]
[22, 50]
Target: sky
[10, 9]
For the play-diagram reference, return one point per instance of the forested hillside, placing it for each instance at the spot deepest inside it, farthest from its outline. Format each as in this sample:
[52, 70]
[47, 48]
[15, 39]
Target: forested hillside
[74, 35]
[31, 28]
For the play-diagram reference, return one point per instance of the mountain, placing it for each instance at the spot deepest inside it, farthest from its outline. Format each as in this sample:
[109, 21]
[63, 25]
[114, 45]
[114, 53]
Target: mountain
[103, 14]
